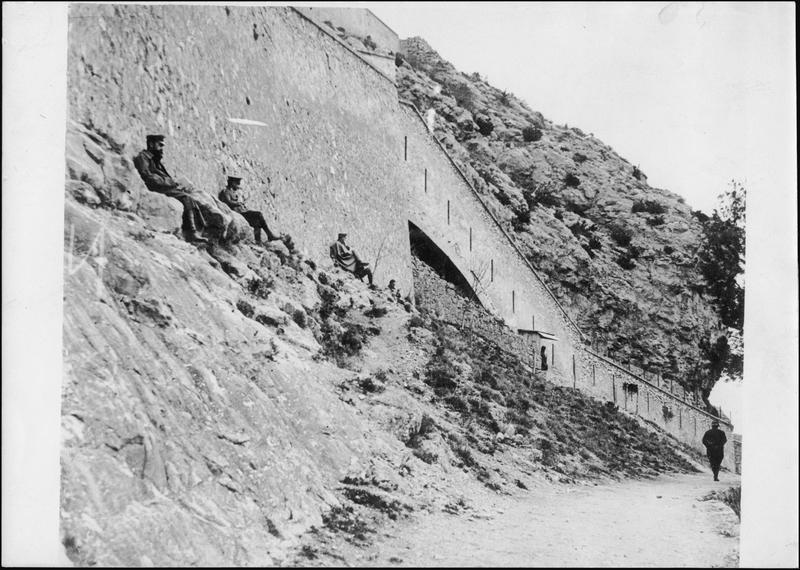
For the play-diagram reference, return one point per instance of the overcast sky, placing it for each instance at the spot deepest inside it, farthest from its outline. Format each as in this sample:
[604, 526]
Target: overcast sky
[675, 88]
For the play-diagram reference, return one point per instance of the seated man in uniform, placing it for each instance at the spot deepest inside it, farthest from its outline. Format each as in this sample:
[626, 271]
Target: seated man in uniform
[157, 179]
[344, 257]
[232, 196]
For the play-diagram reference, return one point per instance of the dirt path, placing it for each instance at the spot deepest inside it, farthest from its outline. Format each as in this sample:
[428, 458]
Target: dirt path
[635, 523]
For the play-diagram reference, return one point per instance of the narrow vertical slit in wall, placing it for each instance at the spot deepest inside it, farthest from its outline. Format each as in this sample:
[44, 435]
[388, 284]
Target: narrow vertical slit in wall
[553, 354]
[594, 380]
[695, 425]
[491, 271]
[405, 148]
[513, 301]
[574, 373]
[614, 388]
[448, 212]
[470, 239]
[647, 394]
[533, 322]
[426, 180]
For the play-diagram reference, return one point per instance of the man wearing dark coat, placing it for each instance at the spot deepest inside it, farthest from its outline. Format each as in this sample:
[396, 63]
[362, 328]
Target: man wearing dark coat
[157, 179]
[345, 257]
[714, 440]
[231, 195]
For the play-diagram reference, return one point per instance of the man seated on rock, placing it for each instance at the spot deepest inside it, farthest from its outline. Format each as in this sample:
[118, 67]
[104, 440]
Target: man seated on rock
[157, 179]
[344, 256]
[232, 196]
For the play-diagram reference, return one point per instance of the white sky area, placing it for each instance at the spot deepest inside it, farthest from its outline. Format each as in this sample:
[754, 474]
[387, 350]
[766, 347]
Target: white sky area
[695, 94]
[671, 87]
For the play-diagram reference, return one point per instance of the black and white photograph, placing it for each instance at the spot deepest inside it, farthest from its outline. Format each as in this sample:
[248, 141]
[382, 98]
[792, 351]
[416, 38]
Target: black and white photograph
[400, 284]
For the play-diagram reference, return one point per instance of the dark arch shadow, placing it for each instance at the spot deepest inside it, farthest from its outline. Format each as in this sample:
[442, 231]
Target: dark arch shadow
[426, 250]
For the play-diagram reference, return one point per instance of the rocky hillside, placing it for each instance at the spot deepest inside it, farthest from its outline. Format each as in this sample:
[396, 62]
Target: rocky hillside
[230, 404]
[620, 255]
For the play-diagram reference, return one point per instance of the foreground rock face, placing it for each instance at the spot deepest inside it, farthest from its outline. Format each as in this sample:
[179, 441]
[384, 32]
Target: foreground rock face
[221, 403]
[619, 254]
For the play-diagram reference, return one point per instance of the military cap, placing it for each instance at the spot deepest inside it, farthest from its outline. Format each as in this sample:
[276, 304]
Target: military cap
[715, 423]
[234, 180]
[155, 138]
[342, 235]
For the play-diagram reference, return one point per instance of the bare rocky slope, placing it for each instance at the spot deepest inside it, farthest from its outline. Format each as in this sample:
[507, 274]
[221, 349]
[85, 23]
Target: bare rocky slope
[235, 404]
[620, 255]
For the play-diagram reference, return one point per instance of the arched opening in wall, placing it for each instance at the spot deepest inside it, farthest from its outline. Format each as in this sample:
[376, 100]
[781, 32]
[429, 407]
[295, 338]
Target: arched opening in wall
[434, 272]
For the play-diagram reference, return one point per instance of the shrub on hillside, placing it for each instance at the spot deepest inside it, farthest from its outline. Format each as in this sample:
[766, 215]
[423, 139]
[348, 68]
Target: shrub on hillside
[485, 125]
[579, 157]
[531, 133]
[625, 261]
[656, 221]
[571, 180]
[649, 206]
[621, 235]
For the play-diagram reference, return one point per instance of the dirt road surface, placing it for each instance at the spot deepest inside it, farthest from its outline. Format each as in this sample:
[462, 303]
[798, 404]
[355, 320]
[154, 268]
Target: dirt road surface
[658, 522]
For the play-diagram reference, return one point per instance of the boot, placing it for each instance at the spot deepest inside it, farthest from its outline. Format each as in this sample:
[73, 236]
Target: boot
[193, 236]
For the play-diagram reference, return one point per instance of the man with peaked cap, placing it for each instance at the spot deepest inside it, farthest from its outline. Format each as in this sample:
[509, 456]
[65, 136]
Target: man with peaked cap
[157, 179]
[231, 195]
[714, 440]
[345, 257]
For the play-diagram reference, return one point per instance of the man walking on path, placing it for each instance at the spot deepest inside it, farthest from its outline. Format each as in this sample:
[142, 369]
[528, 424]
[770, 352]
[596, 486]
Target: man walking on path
[714, 440]
[157, 179]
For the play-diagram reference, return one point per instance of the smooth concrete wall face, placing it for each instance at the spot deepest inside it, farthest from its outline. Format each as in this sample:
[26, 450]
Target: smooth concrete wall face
[260, 92]
[448, 211]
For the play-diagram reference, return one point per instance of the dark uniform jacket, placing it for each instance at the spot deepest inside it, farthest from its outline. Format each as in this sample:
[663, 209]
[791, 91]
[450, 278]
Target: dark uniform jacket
[155, 176]
[714, 440]
[233, 198]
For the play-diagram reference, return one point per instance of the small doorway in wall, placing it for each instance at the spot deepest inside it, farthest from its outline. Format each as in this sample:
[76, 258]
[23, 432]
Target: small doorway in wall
[542, 347]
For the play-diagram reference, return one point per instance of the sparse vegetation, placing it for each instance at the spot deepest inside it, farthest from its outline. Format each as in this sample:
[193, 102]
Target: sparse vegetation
[571, 180]
[621, 235]
[531, 133]
[649, 206]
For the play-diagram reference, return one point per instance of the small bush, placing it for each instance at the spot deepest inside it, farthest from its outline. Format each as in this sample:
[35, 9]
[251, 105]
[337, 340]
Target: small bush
[579, 157]
[485, 125]
[625, 261]
[638, 174]
[504, 99]
[571, 180]
[260, 287]
[245, 308]
[621, 235]
[416, 321]
[531, 133]
[300, 318]
[656, 221]
[594, 243]
[649, 206]
[668, 249]
[667, 413]
[457, 402]
[521, 220]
